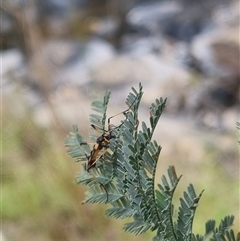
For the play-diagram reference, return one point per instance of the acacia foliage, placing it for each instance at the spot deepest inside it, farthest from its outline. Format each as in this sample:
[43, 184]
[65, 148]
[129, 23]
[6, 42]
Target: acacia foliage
[127, 172]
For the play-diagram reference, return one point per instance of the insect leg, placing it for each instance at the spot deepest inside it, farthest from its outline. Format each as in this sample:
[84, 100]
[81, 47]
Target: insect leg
[123, 112]
[98, 129]
[86, 143]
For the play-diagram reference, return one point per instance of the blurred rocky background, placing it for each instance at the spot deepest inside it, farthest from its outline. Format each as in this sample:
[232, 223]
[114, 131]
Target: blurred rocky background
[59, 55]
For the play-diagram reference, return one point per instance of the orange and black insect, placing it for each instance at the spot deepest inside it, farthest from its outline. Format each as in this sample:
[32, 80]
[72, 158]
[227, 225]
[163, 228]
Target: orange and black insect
[102, 143]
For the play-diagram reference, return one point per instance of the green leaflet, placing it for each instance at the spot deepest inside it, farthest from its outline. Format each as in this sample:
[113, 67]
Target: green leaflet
[137, 227]
[127, 172]
[120, 212]
[72, 143]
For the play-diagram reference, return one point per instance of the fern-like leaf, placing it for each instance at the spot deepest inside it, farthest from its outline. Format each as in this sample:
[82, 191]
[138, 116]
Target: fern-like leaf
[124, 176]
[186, 213]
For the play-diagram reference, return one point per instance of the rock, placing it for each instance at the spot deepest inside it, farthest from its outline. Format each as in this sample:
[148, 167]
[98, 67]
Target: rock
[170, 80]
[137, 46]
[227, 54]
[12, 67]
[60, 52]
[148, 16]
[227, 16]
[218, 52]
[88, 58]
[179, 20]
[210, 100]
[103, 27]
[70, 62]
[121, 70]
[96, 52]
[11, 60]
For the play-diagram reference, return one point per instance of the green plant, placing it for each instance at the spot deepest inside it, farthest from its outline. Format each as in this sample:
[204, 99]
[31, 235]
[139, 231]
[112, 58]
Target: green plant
[128, 170]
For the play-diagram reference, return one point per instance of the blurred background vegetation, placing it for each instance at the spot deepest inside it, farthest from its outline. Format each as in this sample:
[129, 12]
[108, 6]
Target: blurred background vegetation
[58, 56]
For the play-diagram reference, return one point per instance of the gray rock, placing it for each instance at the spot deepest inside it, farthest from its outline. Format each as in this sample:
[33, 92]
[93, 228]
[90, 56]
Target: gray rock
[121, 70]
[218, 52]
[12, 67]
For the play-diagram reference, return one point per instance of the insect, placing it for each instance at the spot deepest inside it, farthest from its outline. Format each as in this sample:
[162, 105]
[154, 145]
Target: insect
[102, 143]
